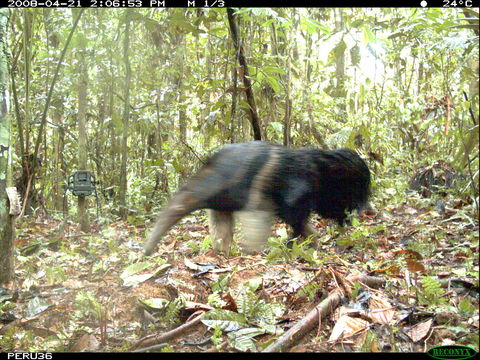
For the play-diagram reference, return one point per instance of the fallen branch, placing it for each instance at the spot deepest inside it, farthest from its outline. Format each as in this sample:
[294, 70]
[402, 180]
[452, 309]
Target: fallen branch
[218, 348]
[151, 348]
[300, 329]
[19, 323]
[370, 281]
[155, 339]
[327, 306]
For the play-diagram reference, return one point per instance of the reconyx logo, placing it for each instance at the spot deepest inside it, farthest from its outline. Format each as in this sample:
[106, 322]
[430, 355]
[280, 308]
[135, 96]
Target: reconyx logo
[456, 352]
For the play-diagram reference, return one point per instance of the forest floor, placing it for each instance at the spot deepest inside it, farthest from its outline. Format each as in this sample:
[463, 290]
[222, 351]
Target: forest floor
[96, 291]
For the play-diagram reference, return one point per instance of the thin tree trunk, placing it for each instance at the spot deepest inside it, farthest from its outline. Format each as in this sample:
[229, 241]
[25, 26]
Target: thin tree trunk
[126, 115]
[233, 108]
[26, 163]
[182, 120]
[340, 91]
[6, 220]
[287, 120]
[111, 134]
[43, 121]
[83, 219]
[58, 174]
[252, 110]
[159, 139]
[100, 135]
[21, 141]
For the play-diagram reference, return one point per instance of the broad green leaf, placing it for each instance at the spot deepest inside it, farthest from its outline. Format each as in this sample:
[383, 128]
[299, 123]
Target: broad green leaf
[134, 280]
[368, 36]
[357, 23]
[273, 69]
[136, 268]
[243, 339]
[154, 303]
[224, 319]
[276, 126]
[273, 83]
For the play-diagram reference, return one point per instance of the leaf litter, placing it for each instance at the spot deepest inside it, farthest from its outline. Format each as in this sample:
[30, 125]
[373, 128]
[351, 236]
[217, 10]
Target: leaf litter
[96, 292]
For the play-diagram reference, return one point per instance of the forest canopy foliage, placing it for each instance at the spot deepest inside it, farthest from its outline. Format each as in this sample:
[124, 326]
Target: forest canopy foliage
[398, 84]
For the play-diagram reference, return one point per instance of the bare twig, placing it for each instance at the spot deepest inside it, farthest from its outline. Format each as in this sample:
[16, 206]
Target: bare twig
[151, 348]
[300, 329]
[156, 339]
[314, 317]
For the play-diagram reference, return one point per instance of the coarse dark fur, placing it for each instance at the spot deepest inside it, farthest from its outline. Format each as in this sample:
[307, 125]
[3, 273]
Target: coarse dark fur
[267, 179]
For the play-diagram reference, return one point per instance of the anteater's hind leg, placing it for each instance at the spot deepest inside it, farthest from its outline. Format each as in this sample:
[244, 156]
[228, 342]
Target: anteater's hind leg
[256, 228]
[221, 224]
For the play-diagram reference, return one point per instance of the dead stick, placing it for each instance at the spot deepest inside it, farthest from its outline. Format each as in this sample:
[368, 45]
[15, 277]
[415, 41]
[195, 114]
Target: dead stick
[151, 348]
[160, 338]
[26, 196]
[320, 311]
[218, 348]
[370, 281]
[301, 328]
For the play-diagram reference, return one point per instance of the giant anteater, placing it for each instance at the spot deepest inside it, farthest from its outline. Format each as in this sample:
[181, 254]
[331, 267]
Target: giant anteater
[258, 180]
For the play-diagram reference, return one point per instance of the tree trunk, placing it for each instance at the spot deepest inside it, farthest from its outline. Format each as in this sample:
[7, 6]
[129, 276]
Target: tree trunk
[160, 138]
[126, 115]
[233, 108]
[252, 110]
[340, 91]
[83, 219]
[26, 164]
[287, 120]
[6, 220]
[182, 118]
[46, 107]
[112, 170]
[58, 173]
[100, 134]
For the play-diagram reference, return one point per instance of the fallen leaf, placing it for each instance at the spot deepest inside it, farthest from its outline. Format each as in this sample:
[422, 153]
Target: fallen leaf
[419, 331]
[36, 306]
[134, 280]
[87, 342]
[197, 267]
[381, 310]
[415, 266]
[347, 326]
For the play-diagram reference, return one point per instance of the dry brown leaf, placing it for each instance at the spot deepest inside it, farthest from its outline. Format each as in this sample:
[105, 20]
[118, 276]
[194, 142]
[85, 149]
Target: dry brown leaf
[448, 342]
[347, 326]
[415, 266]
[231, 303]
[381, 310]
[391, 269]
[341, 311]
[374, 346]
[87, 342]
[409, 254]
[420, 330]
